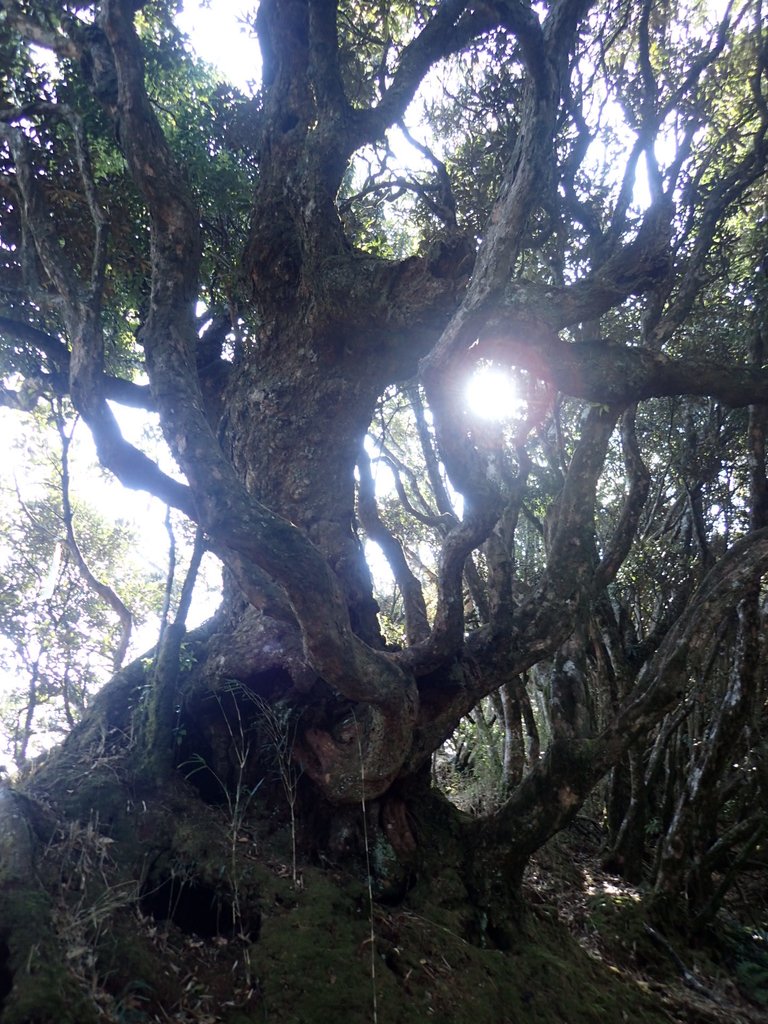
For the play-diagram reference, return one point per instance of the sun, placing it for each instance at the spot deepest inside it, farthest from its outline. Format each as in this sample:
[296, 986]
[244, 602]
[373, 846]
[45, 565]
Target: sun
[491, 394]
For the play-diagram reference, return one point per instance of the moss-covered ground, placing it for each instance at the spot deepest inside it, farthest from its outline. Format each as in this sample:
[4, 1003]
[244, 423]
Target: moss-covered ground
[167, 914]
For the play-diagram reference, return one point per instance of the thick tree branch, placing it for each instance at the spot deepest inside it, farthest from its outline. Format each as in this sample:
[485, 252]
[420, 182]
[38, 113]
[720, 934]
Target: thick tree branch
[125, 392]
[447, 32]
[666, 674]
[620, 543]
[324, 58]
[428, 517]
[41, 35]
[622, 270]
[525, 184]
[609, 372]
[35, 213]
[439, 490]
[551, 794]
[544, 618]
[82, 315]
[500, 557]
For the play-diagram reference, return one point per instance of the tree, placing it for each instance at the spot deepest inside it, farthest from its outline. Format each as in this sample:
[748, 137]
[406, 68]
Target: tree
[232, 249]
[64, 629]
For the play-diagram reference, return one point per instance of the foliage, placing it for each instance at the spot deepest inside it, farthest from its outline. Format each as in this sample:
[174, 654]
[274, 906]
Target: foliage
[58, 636]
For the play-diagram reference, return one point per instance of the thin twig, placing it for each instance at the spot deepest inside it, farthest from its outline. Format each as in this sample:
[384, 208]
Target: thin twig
[368, 872]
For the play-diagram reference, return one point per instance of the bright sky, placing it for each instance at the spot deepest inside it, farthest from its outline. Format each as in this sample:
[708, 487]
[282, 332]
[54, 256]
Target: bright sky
[220, 38]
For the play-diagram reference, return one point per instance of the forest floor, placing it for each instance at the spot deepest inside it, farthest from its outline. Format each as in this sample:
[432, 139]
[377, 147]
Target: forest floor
[723, 979]
[311, 947]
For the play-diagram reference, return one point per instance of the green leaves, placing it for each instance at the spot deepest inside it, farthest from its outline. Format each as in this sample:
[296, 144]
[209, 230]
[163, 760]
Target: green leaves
[57, 638]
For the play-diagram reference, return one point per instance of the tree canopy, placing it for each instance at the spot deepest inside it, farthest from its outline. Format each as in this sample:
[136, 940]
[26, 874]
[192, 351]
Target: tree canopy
[301, 282]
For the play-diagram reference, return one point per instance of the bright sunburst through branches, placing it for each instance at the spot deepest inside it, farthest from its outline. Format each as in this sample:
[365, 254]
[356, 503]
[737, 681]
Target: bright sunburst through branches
[492, 394]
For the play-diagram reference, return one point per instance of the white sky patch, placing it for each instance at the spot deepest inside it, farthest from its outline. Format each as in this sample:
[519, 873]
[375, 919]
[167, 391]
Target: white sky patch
[383, 477]
[220, 37]
[492, 394]
[383, 578]
[45, 59]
